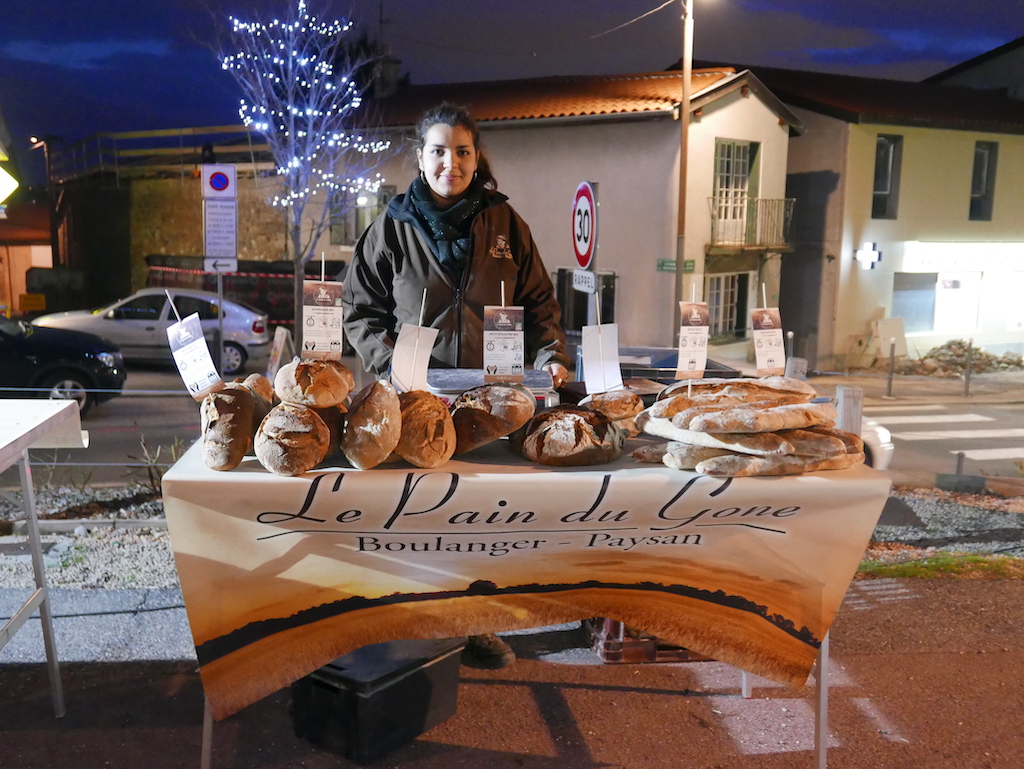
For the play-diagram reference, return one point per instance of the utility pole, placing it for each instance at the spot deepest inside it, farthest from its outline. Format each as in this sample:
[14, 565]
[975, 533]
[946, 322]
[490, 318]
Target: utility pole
[684, 140]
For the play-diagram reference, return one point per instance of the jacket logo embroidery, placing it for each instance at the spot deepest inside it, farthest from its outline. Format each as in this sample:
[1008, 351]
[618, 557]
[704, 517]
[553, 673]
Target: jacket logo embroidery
[501, 249]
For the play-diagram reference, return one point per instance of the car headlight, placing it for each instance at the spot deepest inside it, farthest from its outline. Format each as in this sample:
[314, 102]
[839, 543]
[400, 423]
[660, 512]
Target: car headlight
[109, 359]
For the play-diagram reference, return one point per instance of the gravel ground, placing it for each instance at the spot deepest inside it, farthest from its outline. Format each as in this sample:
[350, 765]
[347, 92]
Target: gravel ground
[142, 557]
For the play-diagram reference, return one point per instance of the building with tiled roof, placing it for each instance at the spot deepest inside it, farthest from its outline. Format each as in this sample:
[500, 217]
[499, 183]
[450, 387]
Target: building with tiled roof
[909, 210]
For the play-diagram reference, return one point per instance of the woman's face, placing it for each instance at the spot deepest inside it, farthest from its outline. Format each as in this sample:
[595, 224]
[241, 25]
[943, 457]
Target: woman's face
[448, 161]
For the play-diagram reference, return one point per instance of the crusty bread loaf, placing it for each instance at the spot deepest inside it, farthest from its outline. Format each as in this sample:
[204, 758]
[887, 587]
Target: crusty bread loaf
[319, 383]
[744, 443]
[853, 442]
[374, 425]
[226, 424]
[292, 439]
[620, 406]
[428, 433]
[567, 436]
[743, 419]
[738, 466]
[259, 385]
[680, 456]
[484, 414]
[809, 443]
[742, 388]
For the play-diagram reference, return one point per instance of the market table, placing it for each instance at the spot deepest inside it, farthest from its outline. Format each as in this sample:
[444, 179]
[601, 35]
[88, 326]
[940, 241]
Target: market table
[37, 424]
[282, 575]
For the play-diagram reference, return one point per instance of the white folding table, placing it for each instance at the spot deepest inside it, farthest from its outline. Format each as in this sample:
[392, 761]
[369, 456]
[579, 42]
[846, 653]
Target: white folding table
[37, 424]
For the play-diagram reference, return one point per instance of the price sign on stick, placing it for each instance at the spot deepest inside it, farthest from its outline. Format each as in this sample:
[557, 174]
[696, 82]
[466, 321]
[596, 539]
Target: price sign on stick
[693, 340]
[601, 371]
[322, 335]
[192, 357]
[412, 357]
[504, 357]
[769, 345]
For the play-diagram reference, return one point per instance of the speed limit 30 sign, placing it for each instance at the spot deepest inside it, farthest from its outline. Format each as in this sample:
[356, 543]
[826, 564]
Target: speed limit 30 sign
[584, 224]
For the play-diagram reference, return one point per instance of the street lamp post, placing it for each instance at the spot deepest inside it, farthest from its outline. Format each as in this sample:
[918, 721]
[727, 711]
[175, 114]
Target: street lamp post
[51, 196]
[684, 138]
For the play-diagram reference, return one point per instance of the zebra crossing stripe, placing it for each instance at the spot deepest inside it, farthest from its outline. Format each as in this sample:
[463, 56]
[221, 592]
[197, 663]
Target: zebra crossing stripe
[931, 419]
[959, 435]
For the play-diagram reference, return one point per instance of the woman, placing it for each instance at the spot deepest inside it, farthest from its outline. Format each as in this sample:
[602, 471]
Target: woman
[454, 234]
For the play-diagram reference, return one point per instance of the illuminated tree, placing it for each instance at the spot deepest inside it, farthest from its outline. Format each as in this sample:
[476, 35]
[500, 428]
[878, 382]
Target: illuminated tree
[299, 79]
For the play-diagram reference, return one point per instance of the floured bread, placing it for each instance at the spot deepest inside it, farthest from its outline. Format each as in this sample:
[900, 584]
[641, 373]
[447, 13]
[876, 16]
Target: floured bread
[428, 434]
[484, 414]
[743, 388]
[680, 456]
[568, 436]
[738, 466]
[374, 425]
[226, 419]
[752, 443]
[760, 420]
[292, 439]
[620, 406]
[319, 383]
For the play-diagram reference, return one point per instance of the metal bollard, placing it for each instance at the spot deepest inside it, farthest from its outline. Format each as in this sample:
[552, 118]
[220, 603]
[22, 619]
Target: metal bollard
[959, 463]
[892, 367]
[967, 373]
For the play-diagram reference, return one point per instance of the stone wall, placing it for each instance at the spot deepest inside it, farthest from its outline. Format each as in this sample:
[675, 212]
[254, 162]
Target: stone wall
[167, 218]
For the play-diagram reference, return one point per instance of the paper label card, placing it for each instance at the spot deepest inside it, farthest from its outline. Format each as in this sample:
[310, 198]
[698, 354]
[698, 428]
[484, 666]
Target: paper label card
[322, 335]
[769, 345]
[192, 357]
[411, 358]
[693, 340]
[280, 348]
[601, 371]
[504, 356]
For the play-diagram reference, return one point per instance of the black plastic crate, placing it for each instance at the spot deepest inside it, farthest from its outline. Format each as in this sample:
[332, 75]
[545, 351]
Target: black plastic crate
[379, 697]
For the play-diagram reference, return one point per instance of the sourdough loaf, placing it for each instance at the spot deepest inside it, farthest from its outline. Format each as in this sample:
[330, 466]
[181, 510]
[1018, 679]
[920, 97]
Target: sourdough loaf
[292, 439]
[226, 424]
[374, 425]
[567, 436]
[484, 414]
[620, 406]
[428, 434]
[319, 383]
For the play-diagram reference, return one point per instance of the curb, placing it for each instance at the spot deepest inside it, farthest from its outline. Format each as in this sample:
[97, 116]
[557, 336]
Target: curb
[106, 524]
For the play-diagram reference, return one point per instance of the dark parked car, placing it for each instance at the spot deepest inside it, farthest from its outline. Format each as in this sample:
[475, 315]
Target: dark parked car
[57, 363]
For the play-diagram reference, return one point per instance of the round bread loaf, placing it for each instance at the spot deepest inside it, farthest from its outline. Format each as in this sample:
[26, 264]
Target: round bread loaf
[568, 436]
[428, 433]
[486, 413]
[319, 383]
[227, 426]
[292, 439]
[374, 425]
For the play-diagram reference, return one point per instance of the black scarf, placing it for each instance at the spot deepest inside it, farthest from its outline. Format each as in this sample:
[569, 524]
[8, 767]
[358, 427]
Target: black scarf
[447, 229]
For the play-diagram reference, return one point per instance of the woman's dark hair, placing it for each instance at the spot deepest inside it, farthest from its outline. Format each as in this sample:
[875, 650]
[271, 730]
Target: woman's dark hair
[452, 115]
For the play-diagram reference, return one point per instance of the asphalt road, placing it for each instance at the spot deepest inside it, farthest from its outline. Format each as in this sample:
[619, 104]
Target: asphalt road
[156, 409]
[928, 439]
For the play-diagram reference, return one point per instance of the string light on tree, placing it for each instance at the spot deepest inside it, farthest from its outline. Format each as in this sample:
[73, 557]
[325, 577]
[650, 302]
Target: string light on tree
[301, 90]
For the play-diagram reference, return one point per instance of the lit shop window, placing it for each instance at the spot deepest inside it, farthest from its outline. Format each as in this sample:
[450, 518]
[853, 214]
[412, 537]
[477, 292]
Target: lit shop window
[957, 298]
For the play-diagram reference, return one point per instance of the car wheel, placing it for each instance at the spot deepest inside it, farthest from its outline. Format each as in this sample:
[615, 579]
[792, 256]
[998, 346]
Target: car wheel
[234, 358]
[66, 385]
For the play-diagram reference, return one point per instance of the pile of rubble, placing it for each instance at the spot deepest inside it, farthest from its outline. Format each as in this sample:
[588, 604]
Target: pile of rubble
[950, 361]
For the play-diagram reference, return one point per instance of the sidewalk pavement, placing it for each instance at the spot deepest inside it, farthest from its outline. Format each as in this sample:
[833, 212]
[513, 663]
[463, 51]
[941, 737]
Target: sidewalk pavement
[925, 673]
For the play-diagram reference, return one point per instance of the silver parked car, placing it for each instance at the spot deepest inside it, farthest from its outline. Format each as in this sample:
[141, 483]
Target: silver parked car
[138, 325]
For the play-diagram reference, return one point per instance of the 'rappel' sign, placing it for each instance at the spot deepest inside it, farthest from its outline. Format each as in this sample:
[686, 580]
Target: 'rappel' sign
[584, 224]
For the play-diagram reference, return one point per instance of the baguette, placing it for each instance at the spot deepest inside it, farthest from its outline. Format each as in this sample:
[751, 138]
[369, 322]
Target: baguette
[760, 444]
[807, 443]
[853, 442]
[737, 466]
[745, 389]
[747, 420]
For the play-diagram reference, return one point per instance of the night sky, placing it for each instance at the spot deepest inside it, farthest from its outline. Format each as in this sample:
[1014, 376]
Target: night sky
[71, 68]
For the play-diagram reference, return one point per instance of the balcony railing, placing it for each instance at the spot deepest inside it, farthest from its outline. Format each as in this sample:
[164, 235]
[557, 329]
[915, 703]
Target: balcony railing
[751, 223]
